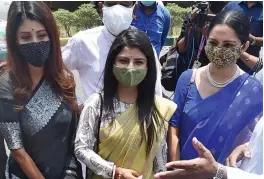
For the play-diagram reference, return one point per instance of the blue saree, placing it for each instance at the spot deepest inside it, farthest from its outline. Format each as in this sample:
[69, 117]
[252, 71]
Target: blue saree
[221, 121]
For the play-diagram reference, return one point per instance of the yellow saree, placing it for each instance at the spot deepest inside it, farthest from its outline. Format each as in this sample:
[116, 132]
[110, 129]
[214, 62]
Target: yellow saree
[120, 141]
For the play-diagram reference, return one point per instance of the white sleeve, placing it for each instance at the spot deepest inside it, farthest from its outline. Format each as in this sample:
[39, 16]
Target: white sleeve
[235, 173]
[86, 139]
[161, 158]
[72, 53]
[158, 89]
[160, 3]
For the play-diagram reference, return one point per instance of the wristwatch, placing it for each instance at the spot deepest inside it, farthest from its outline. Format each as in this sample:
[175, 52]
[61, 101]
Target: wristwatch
[253, 42]
[220, 171]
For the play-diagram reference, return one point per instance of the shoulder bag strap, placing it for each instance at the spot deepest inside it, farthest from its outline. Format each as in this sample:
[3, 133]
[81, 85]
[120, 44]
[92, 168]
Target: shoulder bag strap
[190, 84]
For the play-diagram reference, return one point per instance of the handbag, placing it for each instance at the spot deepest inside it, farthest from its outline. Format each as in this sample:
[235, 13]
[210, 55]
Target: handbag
[172, 69]
[176, 64]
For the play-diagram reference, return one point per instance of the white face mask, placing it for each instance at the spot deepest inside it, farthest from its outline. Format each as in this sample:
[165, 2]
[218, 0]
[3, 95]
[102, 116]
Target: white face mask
[117, 18]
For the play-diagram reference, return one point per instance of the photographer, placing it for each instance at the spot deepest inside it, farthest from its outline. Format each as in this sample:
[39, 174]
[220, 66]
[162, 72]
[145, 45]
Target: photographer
[199, 37]
[190, 44]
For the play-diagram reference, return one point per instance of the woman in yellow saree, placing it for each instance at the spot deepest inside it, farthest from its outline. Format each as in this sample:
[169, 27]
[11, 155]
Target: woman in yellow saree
[122, 130]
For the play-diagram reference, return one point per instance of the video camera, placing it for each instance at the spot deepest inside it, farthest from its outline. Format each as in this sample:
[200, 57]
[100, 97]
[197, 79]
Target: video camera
[202, 17]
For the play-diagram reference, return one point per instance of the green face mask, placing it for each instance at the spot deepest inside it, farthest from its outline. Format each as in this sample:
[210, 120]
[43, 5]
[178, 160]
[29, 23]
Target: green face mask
[129, 77]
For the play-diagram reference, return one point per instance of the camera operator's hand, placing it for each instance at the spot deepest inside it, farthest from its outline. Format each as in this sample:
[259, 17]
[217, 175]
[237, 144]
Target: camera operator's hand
[193, 14]
[204, 30]
[257, 41]
[251, 37]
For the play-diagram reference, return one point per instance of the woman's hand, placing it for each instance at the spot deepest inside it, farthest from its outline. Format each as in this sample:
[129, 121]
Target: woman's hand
[194, 14]
[128, 174]
[205, 30]
[239, 153]
[203, 167]
[26, 164]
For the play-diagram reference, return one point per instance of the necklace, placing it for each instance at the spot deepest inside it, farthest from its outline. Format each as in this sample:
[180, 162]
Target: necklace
[221, 85]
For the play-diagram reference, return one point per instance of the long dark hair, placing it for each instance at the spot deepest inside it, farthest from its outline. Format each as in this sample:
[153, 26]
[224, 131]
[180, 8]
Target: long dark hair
[146, 107]
[56, 73]
[234, 19]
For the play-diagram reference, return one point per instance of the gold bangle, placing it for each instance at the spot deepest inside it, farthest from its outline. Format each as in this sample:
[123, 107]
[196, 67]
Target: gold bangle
[119, 173]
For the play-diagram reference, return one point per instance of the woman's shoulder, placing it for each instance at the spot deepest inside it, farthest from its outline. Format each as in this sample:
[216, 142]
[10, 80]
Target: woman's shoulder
[163, 100]
[248, 80]
[6, 87]
[187, 72]
[251, 83]
[164, 105]
[185, 78]
[254, 81]
[94, 100]
[186, 75]
[251, 90]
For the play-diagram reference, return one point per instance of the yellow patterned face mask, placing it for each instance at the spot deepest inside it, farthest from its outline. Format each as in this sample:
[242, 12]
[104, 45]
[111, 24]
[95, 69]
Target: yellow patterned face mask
[222, 56]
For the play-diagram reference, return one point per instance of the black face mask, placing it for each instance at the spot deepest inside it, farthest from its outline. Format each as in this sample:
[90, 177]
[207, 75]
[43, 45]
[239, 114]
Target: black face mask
[35, 53]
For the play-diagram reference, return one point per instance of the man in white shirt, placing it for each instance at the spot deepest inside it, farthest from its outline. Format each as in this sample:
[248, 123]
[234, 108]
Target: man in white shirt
[87, 51]
[205, 167]
[254, 164]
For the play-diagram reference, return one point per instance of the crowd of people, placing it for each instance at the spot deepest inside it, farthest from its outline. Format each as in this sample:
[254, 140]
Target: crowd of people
[126, 128]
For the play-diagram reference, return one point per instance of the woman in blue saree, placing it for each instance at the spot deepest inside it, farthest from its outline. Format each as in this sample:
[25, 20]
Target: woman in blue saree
[217, 103]
[38, 111]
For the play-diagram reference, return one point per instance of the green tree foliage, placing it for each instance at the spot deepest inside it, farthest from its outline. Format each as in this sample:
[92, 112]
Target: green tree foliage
[65, 20]
[177, 16]
[86, 17]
